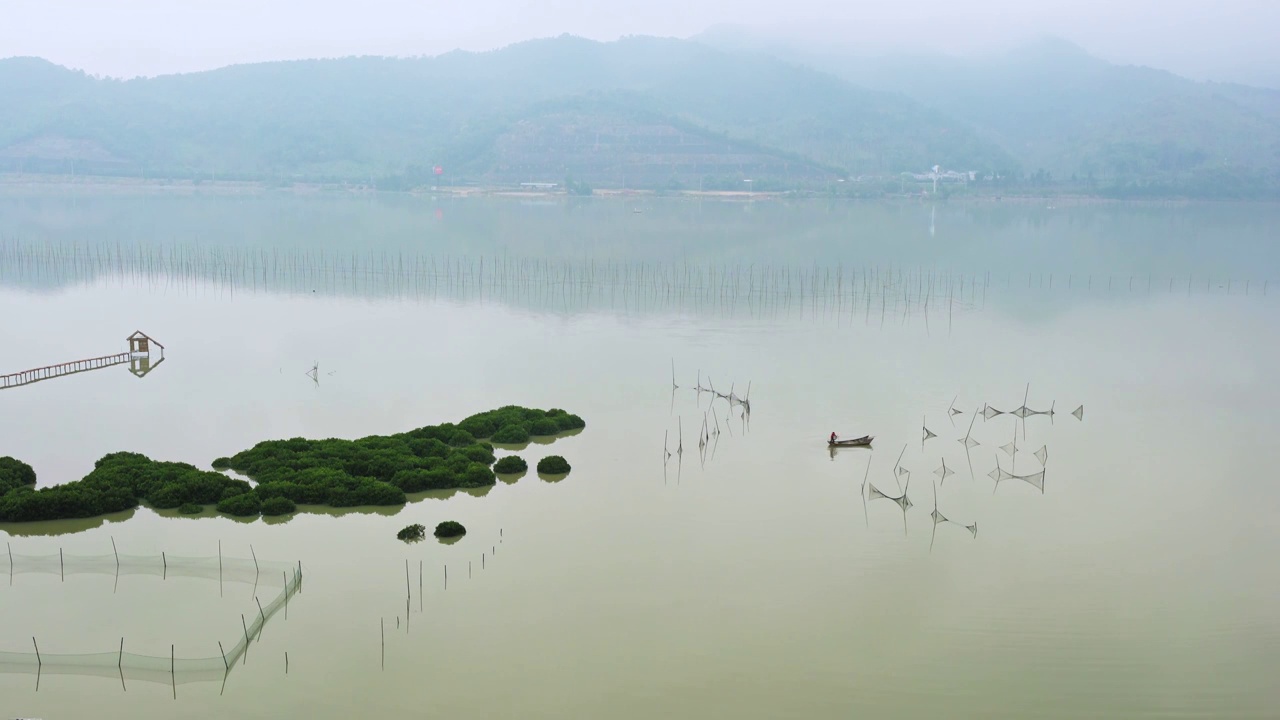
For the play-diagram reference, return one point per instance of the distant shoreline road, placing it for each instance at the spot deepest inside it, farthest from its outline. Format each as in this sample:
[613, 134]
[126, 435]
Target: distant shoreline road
[14, 183]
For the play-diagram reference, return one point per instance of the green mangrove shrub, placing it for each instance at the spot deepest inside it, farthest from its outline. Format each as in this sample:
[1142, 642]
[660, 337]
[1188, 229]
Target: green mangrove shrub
[411, 533]
[514, 424]
[449, 528]
[553, 465]
[512, 434]
[190, 509]
[278, 505]
[15, 474]
[242, 505]
[510, 464]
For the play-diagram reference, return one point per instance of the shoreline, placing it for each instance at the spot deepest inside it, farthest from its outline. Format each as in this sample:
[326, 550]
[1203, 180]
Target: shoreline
[108, 185]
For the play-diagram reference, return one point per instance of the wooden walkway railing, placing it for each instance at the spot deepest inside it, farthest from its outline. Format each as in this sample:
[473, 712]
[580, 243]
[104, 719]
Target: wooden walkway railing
[27, 377]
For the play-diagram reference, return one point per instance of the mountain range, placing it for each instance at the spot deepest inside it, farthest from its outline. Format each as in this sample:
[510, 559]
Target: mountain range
[645, 112]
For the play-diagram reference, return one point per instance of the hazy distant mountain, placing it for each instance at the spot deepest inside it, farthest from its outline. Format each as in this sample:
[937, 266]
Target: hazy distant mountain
[639, 111]
[1055, 107]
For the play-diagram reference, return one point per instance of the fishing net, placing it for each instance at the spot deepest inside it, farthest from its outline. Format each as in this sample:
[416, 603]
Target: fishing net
[939, 519]
[902, 501]
[1042, 454]
[1000, 475]
[1079, 413]
[282, 579]
[967, 441]
[944, 472]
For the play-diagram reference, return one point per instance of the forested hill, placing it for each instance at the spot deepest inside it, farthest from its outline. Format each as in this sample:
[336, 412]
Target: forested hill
[647, 112]
[1061, 112]
[639, 112]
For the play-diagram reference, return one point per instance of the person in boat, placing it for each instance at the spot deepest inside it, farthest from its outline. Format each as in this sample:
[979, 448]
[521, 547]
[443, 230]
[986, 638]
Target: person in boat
[833, 436]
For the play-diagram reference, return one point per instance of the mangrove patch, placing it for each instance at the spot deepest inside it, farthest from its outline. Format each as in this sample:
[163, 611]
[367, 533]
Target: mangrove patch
[450, 529]
[553, 465]
[510, 465]
[374, 470]
[412, 533]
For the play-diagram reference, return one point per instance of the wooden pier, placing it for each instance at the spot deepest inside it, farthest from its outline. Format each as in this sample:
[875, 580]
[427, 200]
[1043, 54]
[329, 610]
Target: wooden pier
[138, 358]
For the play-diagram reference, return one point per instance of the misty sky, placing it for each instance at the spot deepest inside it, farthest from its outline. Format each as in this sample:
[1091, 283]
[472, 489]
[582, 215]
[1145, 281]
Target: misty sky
[1218, 39]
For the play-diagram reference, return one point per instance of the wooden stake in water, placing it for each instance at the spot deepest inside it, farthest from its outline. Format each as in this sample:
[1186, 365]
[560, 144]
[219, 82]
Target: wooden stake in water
[224, 656]
[164, 560]
[246, 638]
[39, 662]
[117, 553]
[382, 628]
[407, 592]
[61, 568]
[255, 559]
[286, 662]
[120, 660]
[261, 615]
[173, 677]
[285, 575]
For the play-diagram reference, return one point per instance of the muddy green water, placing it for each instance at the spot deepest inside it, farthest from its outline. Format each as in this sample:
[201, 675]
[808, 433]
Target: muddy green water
[757, 577]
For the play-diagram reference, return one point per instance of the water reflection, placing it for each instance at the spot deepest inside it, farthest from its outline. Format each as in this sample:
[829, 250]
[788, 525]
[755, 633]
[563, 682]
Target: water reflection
[53, 528]
[512, 478]
[872, 294]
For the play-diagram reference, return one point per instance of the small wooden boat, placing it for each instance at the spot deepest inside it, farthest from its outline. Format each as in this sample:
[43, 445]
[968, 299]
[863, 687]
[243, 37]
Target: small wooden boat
[863, 441]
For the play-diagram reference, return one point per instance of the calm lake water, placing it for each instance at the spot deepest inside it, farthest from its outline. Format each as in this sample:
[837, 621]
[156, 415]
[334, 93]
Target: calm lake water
[760, 576]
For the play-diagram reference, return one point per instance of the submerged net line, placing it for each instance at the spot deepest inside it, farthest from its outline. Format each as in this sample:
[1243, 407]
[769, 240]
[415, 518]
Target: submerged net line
[231, 569]
[158, 668]
[751, 288]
